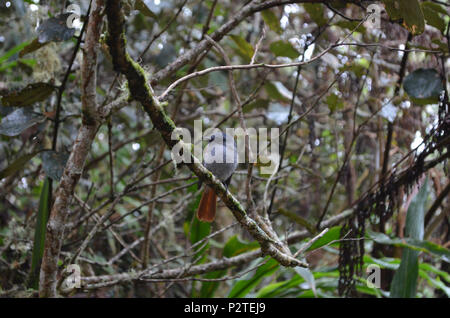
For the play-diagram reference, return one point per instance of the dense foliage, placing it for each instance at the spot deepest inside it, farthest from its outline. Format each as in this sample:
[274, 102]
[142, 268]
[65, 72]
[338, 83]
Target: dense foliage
[364, 134]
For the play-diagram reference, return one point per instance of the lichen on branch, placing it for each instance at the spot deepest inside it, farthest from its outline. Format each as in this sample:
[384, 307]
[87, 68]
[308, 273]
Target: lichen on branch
[141, 91]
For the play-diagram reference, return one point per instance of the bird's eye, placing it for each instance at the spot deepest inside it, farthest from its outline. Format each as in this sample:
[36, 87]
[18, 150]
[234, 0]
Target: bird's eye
[212, 138]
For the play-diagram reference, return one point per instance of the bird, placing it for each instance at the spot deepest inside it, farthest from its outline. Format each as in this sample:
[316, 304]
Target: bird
[215, 160]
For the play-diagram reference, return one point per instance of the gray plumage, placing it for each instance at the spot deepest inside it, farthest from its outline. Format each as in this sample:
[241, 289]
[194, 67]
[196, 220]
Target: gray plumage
[220, 155]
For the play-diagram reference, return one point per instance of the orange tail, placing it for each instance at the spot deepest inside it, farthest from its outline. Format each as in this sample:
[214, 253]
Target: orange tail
[207, 208]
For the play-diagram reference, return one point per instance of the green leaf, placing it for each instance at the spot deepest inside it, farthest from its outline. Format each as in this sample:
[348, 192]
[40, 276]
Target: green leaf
[332, 235]
[244, 49]
[334, 102]
[414, 227]
[351, 25]
[435, 283]
[431, 12]
[308, 277]
[393, 9]
[273, 92]
[234, 247]
[144, 9]
[409, 11]
[413, 19]
[418, 245]
[441, 45]
[55, 29]
[8, 65]
[284, 48]
[18, 121]
[209, 288]
[423, 85]
[279, 289]
[54, 163]
[424, 270]
[5, 57]
[17, 165]
[39, 234]
[315, 11]
[257, 103]
[29, 95]
[272, 21]
[244, 286]
[430, 268]
[404, 283]
[276, 289]
[33, 46]
[298, 219]
[193, 228]
[198, 231]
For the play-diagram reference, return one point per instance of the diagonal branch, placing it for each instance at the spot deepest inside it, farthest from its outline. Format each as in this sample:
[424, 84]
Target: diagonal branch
[141, 91]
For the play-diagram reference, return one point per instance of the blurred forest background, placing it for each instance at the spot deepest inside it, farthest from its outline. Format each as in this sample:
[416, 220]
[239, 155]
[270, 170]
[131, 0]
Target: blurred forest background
[363, 112]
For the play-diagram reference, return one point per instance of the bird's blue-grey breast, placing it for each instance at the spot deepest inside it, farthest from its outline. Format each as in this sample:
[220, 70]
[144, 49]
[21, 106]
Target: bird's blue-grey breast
[220, 155]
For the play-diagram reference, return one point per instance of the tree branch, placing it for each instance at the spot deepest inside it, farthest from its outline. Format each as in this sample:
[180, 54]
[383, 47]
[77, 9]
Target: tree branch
[75, 163]
[93, 282]
[141, 91]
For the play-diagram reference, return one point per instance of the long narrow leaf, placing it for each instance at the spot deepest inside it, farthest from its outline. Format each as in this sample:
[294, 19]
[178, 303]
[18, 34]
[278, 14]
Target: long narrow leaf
[244, 286]
[39, 234]
[12, 51]
[404, 283]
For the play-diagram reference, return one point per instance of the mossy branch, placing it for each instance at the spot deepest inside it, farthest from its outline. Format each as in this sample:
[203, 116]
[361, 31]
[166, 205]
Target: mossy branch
[141, 91]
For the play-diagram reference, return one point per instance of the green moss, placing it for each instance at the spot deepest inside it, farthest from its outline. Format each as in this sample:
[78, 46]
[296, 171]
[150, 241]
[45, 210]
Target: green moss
[168, 120]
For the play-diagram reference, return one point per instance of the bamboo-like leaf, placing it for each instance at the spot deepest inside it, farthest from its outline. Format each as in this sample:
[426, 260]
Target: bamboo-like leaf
[332, 235]
[39, 234]
[308, 277]
[209, 288]
[404, 283]
[5, 57]
[196, 230]
[418, 245]
[233, 247]
[244, 286]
